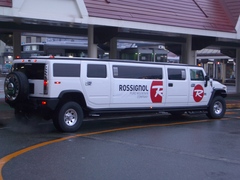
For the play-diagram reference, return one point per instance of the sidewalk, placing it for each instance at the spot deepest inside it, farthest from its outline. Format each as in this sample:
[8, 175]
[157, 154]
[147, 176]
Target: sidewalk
[233, 101]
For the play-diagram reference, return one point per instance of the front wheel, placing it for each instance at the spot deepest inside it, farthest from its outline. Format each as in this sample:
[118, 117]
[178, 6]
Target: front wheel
[217, 108]
[69, 117]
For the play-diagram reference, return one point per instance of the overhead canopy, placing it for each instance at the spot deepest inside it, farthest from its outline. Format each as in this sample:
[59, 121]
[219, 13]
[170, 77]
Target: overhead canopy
[212, 23]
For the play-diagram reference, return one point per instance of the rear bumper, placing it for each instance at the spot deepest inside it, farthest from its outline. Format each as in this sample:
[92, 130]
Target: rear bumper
[35, 104]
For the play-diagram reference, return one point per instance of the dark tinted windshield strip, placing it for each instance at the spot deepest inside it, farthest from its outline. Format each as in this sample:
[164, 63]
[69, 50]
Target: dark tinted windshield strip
[136, 72]
[176, 74]
[96, 71]
[66, 70]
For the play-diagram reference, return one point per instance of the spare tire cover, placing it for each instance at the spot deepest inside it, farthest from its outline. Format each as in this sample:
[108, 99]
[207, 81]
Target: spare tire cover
[16, 87]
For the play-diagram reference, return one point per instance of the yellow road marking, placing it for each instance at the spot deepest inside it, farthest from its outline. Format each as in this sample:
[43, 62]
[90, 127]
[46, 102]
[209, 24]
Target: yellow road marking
[228, 112]
[7, 158]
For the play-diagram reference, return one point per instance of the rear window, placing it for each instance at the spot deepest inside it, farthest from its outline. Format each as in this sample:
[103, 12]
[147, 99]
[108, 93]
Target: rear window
[32, 71]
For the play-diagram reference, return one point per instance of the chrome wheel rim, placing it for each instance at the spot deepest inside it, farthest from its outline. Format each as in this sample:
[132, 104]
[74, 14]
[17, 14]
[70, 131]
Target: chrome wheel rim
[70, 117]
[218, 108]
[11, 87]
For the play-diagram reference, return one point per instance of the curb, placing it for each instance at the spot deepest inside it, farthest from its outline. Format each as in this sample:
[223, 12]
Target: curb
[233, 106]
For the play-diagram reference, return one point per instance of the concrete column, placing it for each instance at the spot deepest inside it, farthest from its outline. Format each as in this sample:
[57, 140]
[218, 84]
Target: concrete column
[188, 56]
[138, 54]
[223, 71]
[113, 48]
[237, 75]
[92, 48]
[205, 67]
[16, 44]
[214, 70]
[154, 55]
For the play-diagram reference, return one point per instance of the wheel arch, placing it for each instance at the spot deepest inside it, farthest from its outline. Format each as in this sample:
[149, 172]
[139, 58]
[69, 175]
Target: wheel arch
[69, 117]
[72, 95]
[217, 92]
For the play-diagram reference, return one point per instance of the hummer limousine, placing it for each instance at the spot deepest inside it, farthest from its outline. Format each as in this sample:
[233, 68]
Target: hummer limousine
[67, 90]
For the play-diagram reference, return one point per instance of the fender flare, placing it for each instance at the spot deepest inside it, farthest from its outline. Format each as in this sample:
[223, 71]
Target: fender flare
[71, 94]
[217, 92]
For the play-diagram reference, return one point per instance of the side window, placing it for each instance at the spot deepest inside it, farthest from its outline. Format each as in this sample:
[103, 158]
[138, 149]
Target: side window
[136, 72]
[66, 70]
[176, 74]
[196, 74]
[96, 71]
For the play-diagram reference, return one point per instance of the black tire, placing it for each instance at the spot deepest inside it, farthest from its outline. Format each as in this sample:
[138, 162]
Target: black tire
[16, 87]
[69, 117]
[217, 108]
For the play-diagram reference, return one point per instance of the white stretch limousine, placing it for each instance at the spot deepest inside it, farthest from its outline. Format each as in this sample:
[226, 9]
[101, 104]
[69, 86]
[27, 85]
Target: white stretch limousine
[68, 89]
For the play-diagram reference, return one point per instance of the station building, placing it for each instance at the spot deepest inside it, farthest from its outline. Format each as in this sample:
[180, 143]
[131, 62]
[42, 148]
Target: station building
[184, 28]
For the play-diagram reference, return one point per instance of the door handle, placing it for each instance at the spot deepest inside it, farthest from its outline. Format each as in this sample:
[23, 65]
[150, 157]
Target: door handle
[192, 85]
[88, 83]
[170, 84]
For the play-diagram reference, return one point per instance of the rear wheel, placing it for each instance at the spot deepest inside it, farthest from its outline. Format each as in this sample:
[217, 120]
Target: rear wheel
[69, 117]
[217, 108]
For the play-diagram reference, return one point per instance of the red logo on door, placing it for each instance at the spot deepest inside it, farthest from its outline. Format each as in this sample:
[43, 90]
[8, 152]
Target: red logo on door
[156, 91]
[198, 93]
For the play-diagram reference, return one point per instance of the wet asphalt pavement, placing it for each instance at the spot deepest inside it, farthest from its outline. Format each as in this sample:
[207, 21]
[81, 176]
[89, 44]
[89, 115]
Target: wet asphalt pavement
[150, 147]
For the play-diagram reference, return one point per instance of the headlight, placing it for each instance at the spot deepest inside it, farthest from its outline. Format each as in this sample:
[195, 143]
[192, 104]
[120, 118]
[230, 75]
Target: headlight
[225, 88]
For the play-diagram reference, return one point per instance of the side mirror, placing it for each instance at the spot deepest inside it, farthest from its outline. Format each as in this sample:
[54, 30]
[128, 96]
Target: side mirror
[206, 81]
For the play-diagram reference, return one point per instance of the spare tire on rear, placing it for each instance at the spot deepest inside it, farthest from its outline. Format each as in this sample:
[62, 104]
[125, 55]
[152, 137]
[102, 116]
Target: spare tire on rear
[16, 87]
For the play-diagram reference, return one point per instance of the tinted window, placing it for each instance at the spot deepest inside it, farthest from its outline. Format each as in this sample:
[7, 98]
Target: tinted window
[135, 72]
[32, 71]
[176, 74]
[66, 70]
[196, 74]
[96, 71]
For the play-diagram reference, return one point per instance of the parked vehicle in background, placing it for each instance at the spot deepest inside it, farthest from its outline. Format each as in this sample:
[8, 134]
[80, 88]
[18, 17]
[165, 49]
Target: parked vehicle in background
[6, 69]
[68, 89]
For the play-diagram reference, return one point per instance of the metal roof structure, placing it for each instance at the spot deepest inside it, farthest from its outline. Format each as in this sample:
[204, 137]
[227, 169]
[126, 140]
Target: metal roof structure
[210, 22]
[194, 14]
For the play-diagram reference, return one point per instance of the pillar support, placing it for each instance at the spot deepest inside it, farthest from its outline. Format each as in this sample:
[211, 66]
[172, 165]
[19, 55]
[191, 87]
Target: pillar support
[223, 71]
[237, 75]
[113, 48]
[16, 44]
[188, 55]
[92, 48]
